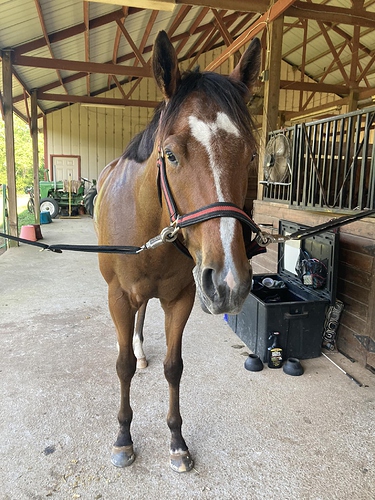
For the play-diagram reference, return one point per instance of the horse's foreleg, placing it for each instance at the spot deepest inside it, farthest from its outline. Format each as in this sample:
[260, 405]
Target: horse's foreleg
[138, 337]
[123, 318]
[176, 316]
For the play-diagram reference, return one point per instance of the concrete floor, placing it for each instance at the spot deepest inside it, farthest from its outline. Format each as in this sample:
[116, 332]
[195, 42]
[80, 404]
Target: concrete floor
[262, 435]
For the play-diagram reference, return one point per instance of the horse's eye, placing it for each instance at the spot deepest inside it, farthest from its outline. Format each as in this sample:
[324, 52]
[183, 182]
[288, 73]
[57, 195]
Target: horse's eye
[171, 157]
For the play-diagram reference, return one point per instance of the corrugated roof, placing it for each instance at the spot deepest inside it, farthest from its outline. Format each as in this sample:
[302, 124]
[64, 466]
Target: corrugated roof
[322, 48]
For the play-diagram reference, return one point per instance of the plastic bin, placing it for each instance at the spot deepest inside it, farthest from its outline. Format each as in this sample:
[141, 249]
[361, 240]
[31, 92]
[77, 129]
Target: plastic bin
[296, 311]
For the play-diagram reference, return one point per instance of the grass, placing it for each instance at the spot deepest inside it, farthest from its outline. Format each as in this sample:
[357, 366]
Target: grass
[24, 216]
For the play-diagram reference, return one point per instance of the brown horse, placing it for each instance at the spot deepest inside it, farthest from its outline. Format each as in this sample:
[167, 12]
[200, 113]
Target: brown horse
[201, 135]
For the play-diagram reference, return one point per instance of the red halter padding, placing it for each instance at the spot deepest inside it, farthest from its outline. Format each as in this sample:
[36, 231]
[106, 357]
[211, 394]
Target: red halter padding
[219, 209]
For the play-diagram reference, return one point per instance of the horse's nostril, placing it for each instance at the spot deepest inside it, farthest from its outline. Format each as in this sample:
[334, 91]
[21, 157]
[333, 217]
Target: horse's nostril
[208, 284]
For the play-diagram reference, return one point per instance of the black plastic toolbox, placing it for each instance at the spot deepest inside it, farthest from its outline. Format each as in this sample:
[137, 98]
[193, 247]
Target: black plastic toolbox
[297, 311]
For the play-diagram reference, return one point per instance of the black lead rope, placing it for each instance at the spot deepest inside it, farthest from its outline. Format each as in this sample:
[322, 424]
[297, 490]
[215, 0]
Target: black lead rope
[302, 234]
[219, 209]
[77, 248]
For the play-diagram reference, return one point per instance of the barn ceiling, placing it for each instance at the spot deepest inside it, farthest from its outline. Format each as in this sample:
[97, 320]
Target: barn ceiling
[73, 51]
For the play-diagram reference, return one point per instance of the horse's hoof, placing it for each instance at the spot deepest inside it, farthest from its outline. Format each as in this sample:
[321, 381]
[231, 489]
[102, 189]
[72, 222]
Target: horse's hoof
[122, 456]
[142, 363]
[181, 462]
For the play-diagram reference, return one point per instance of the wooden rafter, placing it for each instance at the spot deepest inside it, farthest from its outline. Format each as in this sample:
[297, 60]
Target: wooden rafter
[87, 67]
[334, 53]
[322, 13]
[232, 27]
[275, 11]
[193, 28]
[110, 101]
[46, 37]
[150, 24]
[86, 20]
[327, 72]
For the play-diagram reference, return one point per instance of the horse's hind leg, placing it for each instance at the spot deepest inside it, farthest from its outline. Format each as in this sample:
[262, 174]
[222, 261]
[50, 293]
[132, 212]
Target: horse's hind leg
[138, 337]
[123, 317]
[176, 316]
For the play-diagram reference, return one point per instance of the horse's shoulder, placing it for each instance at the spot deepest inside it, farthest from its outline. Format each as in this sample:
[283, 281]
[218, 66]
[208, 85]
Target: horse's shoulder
[105, 173]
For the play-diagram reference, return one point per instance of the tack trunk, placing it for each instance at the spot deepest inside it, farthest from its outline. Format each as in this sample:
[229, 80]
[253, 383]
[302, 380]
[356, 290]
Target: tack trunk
[294, 306]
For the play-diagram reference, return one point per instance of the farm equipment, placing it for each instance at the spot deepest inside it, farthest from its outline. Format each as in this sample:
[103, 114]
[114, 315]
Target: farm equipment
[66, 197]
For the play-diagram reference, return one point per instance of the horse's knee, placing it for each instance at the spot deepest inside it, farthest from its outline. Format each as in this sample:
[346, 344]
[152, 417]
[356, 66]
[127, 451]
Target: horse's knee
[125, 367]
[173, 370]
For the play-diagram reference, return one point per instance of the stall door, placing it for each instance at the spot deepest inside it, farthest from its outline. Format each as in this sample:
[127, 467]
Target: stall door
[65, 168]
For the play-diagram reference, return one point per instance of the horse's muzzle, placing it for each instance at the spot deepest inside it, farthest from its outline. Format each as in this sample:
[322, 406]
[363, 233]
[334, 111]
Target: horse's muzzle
[222, 291]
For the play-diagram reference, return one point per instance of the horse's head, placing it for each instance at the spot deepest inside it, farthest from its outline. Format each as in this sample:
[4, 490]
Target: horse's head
[205, 133]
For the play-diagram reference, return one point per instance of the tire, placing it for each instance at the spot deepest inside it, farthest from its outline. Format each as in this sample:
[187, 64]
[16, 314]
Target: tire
[89, 200]
[49, 205]
[30, 205]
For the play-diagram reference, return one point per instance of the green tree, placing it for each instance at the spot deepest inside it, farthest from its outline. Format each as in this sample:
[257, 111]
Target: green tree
[23, 151]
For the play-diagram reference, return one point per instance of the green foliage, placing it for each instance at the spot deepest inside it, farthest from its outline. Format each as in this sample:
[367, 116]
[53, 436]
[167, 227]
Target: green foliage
[25, 218]
[23, 155]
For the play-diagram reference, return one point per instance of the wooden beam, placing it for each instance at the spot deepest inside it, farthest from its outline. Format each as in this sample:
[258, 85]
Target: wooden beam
[271, 89]
[34, 139]
[77, 29]
[9, 144]
[110, 101]
[334, 53]
[131, 43]
[87, 67]
[86, 20]
[325, 12]
[239, 5]
[45, 33]
[275, 11]
[184, 37]
[317, 109]
[272, 77]
[314, 87]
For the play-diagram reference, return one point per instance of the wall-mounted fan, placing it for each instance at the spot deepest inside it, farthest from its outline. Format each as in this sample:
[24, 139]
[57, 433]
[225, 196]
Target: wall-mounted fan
[277, 159]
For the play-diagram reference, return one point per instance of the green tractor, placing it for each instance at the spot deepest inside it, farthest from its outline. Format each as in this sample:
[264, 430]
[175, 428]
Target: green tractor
[65, 197]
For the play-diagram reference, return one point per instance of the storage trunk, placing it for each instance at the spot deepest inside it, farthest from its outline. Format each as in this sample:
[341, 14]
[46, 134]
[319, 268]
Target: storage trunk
[297, 311]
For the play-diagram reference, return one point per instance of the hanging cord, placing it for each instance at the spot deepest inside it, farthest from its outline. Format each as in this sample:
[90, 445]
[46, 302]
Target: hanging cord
[355, 157]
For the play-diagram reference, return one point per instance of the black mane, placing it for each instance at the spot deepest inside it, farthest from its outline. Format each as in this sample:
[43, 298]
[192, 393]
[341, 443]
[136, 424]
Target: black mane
[228, 94]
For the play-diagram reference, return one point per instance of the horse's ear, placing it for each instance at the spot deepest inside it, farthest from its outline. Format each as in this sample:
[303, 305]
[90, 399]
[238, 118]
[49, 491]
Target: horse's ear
[165, 65]
[247, 70]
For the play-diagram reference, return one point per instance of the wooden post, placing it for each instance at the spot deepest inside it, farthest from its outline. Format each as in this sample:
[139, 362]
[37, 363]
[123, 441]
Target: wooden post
[34, 136]
[9, 144]
[271, 90]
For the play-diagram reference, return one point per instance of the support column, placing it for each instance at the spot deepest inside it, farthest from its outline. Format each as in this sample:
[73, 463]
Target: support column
[9, 144]
[271, 89]
[34, 137]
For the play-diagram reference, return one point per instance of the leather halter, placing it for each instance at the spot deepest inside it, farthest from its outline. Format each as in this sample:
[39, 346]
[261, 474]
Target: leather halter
[212, 211]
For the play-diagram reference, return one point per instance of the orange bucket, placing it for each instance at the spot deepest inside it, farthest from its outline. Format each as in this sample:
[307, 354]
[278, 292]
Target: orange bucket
[28, 233]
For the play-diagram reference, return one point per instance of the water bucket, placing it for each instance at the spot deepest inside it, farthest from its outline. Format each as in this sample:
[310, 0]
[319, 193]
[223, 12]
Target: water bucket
[45, 218]
[28, 233]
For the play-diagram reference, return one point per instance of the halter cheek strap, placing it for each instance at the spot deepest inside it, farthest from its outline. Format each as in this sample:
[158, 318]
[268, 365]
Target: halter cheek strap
[214, 210]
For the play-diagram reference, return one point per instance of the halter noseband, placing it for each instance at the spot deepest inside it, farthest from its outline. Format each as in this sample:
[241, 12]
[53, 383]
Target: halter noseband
[212, 211]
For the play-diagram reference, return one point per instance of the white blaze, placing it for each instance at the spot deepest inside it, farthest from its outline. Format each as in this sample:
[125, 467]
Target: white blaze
[204, 133]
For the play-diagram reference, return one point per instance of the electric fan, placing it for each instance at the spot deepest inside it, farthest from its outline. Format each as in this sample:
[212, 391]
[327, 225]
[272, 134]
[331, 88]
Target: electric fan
[277, 159]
